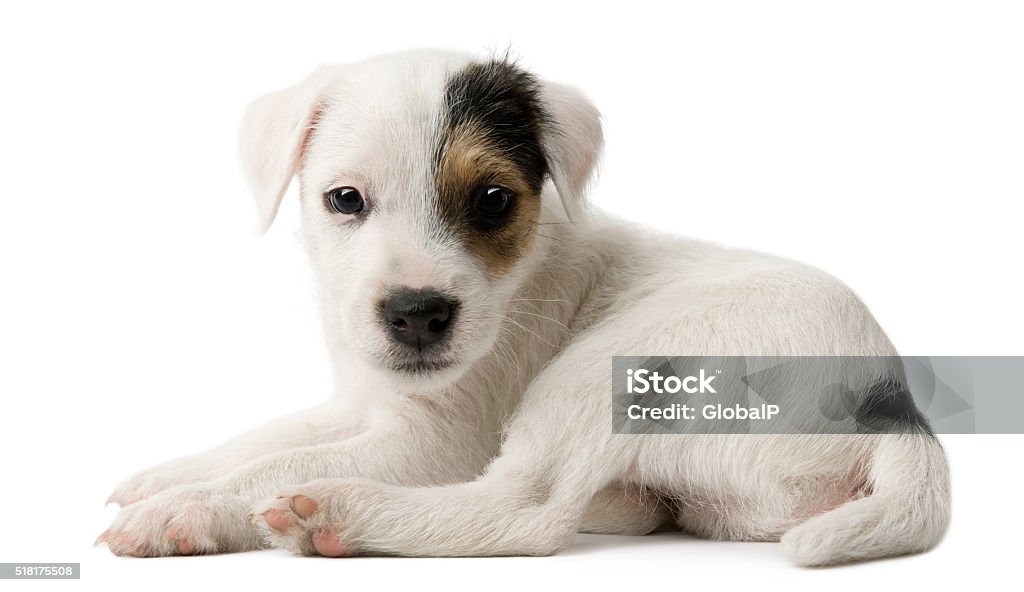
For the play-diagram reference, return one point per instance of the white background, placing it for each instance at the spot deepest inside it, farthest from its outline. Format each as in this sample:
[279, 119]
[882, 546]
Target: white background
[141, 317]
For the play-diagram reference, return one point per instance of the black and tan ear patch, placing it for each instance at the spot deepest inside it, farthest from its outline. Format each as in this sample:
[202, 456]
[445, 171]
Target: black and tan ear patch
[491, 135]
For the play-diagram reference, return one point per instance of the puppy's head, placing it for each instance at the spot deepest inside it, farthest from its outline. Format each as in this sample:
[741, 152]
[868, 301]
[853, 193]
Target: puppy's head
[423, 178]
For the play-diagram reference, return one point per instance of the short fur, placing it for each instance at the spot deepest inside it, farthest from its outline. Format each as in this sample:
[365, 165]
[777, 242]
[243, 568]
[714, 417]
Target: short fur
[508, 450]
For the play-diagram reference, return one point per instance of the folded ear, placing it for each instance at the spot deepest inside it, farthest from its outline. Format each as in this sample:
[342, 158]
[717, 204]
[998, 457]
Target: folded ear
[572, 141]
[273, 135]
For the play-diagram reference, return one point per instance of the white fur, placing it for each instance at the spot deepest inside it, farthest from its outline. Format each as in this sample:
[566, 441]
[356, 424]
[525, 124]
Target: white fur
[510, 450]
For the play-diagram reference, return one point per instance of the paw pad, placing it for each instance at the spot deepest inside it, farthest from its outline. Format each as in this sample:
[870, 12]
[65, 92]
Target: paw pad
[303, 506]
[327, 544]
[277, 519]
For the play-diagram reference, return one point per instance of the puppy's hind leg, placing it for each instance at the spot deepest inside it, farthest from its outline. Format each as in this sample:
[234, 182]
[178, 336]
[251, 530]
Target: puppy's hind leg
[626, 510]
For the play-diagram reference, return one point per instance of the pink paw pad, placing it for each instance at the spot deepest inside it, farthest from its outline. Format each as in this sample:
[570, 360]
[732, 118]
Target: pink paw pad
[327, 544]
[279, 520]
[303, 506]
[181, 543]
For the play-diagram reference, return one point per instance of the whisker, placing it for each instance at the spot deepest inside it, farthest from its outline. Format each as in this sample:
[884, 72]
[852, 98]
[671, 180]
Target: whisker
[534, 333]
[542, 317]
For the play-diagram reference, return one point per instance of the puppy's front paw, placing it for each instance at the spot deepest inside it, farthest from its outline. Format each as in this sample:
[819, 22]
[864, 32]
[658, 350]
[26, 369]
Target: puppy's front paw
[151, 482]
[139, 487]
[317, 518]
[183, 520]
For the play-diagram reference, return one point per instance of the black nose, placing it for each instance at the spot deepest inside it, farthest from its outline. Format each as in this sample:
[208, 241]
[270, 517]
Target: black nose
[418, 317]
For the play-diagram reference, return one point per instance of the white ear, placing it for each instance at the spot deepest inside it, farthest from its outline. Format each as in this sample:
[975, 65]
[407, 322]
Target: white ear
[273, 134]
[572, 143]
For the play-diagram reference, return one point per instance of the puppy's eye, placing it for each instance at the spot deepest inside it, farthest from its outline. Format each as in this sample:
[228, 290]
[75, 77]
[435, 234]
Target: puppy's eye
[345, 200]
[492, 201]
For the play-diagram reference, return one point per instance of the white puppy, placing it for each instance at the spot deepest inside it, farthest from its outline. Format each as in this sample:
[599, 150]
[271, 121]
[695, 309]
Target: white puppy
[472, 309]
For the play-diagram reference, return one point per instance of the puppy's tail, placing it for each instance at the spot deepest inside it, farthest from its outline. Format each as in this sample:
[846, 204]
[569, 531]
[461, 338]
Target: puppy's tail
[906, 512]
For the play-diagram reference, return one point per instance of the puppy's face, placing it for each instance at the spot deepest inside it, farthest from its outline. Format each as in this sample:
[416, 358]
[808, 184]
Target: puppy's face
[421, 180]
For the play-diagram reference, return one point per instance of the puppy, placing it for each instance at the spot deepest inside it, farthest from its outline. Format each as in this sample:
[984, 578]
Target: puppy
[472, 305]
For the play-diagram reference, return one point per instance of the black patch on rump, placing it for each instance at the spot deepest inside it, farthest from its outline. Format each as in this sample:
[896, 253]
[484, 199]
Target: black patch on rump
[504, 103]
[888, 406]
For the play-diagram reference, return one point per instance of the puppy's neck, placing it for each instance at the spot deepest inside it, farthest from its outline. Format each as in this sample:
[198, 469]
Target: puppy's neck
[542, 316]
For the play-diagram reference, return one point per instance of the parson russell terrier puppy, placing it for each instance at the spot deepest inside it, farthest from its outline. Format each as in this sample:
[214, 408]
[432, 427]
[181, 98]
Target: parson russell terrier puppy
[472, 305]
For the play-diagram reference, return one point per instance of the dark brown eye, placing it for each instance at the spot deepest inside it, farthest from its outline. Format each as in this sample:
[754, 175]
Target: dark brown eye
[345, 200]
[492, 201]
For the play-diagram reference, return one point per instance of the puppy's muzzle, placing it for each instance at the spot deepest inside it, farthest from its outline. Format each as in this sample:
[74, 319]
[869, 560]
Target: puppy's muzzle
[418, 318]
